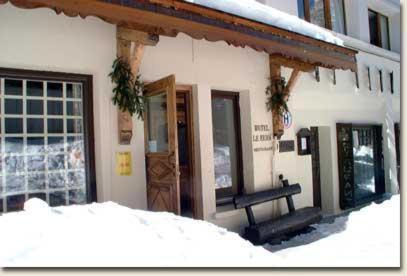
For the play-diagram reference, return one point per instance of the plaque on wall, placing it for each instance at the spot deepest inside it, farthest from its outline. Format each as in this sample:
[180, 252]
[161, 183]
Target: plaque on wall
[286, 145]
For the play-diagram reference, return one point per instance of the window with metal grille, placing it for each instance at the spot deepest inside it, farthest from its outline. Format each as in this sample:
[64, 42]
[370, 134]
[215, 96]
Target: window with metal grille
[44, 151]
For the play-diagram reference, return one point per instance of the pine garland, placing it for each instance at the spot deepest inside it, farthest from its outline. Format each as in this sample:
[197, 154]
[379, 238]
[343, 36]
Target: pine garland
[276, 98]
[128, 90]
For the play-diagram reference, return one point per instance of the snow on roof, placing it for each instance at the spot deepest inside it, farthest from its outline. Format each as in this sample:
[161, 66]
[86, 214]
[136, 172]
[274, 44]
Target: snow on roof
[256, 11]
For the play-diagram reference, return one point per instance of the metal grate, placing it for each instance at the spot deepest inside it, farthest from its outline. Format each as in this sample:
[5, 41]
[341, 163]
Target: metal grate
[42, 146]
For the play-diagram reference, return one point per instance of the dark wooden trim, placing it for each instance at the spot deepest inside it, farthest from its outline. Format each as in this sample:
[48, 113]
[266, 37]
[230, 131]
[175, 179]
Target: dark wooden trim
[317, 75]
[307, 10]
[345, 166]
[228, 192]
[357, 79]
[381, 80]
[391, 82]
[380, 184]
[334, 76]
[316, 168]
[379, 29]
[327, 12]
[187, 91]
[397, 145]
[370, 81]
[88, 127]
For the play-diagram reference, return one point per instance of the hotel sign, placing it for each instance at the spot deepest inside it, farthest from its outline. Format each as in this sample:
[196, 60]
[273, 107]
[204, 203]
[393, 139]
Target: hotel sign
[262, 133]
[287, 119]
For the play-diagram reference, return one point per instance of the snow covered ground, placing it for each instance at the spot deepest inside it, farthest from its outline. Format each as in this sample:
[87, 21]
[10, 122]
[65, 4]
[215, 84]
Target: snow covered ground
[369, 237]
[110, 235]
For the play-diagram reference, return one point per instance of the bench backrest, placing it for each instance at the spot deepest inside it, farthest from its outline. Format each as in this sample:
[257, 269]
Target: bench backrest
[267, 195]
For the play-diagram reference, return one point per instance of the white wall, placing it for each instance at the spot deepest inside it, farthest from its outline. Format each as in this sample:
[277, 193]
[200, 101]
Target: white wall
[325, 104]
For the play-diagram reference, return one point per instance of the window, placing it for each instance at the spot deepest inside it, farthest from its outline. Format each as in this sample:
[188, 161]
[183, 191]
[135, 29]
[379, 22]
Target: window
[360, 159]
[328, 14]
[379, 30]
[227, 145]
[45, 137]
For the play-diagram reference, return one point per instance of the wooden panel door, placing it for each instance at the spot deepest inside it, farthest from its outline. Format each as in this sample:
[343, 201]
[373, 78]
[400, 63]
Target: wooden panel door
[161, 144]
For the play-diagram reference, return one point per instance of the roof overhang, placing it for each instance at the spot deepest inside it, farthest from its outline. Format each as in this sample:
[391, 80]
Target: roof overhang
[170, 17]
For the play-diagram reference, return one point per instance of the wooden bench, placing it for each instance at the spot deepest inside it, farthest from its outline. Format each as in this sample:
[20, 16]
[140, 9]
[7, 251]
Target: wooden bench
[293, 221]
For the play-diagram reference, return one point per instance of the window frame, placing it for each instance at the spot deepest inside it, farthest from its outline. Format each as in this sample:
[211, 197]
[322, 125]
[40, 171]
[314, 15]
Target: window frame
[87, 102]
[225, 196]
[327, 14]
[378, 28]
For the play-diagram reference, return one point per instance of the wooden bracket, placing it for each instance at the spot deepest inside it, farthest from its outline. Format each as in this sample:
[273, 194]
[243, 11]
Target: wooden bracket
[130, 45]
[137, 36]
[275, 74]
[291, 63]
[295, 74]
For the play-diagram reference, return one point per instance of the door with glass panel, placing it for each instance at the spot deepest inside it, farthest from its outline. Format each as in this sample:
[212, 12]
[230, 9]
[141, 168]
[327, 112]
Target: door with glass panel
[44, 138]
[161, 145]
[360, 164]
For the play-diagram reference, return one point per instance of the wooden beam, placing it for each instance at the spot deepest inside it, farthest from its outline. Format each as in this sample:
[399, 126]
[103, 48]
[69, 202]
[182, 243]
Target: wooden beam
[295, 74]
[137, 36]
[172, 17]
[275, 71]
[291, 63]
[135, 57]
[278, 126]
[123, 48]
[130, 45]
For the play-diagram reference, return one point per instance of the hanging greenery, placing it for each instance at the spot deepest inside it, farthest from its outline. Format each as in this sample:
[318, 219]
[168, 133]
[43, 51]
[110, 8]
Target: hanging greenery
[276, 98]
[128, 89]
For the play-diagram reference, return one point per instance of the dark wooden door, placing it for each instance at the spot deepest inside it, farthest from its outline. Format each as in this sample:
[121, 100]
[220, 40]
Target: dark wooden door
[161, 144]
[316, 174]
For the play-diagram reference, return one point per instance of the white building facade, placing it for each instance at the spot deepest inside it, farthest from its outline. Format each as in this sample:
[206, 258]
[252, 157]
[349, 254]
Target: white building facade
[41, 40]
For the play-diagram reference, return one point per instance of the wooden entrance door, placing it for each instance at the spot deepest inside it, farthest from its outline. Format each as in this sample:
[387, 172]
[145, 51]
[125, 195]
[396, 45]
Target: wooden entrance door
[161, 144]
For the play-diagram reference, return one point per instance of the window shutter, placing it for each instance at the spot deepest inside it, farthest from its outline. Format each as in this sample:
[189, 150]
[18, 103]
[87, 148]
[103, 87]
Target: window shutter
[345, 166]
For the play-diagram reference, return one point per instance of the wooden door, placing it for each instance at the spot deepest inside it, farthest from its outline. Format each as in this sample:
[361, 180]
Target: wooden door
[161, 145]
[316, 175]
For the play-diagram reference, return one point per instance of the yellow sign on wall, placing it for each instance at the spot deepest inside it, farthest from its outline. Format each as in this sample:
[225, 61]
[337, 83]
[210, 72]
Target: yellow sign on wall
[123, 163]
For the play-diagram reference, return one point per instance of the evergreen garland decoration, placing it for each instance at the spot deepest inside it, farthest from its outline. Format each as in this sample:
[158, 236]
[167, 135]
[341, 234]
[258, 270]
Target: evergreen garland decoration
[128, 90]
[276, 98]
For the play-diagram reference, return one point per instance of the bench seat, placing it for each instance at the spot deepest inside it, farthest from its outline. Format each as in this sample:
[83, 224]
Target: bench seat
[288, 223]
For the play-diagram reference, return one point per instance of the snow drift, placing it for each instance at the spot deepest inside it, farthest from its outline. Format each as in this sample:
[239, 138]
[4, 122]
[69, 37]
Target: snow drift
[370, 237]
[110, 235]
